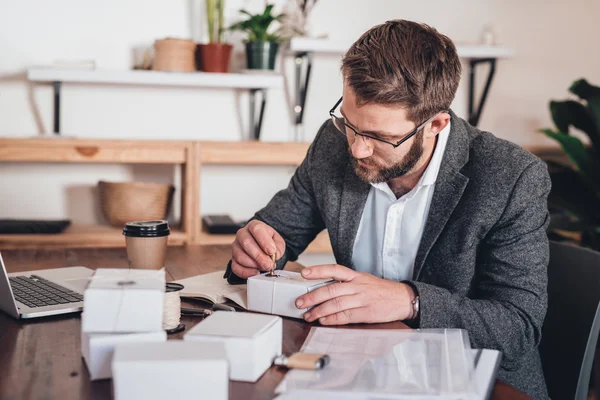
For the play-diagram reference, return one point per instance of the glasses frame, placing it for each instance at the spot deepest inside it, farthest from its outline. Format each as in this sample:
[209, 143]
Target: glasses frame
[336, 120]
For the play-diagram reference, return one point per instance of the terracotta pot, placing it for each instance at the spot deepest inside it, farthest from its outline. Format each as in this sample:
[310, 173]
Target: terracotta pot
[214, 57]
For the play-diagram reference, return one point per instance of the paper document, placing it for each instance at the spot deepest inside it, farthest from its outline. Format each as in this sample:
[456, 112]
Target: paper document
[386, 364]
[213, 288]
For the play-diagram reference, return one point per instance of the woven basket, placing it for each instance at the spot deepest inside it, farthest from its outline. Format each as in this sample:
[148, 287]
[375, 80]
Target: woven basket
[123, 202]
[178, 55]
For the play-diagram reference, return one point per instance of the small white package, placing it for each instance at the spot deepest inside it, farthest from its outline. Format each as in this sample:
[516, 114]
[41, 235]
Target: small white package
[124, 300]
[97, 349]
[173, 369]
[251, 341]
[277, 295]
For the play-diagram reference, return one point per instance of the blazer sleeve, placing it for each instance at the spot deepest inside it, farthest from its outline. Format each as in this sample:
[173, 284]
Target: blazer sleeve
[293, 212]
[506, 309]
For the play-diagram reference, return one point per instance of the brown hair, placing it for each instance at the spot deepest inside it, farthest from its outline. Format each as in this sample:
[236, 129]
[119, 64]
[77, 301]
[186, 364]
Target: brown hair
[404, 63]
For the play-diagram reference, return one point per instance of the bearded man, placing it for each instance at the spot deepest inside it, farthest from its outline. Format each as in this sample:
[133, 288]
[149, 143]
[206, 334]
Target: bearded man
[432, 221]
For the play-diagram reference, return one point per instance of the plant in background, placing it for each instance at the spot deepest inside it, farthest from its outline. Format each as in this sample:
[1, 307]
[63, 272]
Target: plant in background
[256, 26]
[215, 20]
[262, 43]
[215, 55]
[305, 7]
[575, 190]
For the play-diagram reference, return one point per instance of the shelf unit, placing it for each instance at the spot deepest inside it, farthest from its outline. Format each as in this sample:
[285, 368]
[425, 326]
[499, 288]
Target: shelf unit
[253, 82]
[94, 151]
[303, 50]
[191, 156]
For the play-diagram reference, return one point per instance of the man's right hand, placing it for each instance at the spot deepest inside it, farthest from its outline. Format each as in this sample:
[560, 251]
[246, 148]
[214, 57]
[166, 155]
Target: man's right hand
[252, 249]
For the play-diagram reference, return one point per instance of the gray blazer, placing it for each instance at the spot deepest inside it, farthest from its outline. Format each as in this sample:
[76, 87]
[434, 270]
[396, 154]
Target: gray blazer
[482, 261]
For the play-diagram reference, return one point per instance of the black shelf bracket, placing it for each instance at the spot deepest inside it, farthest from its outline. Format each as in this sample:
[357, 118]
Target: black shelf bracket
[475, 115]
[301, 59]
[56, 88]
[255, 127]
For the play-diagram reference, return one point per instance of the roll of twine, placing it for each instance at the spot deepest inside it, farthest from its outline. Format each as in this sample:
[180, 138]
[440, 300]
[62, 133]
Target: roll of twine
[172, 309]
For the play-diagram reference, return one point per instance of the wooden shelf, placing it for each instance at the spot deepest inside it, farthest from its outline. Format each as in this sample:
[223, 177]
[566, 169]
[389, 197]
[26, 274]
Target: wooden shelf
[156, 78]
[252, 153]
[77, 236]
[301, 45]
[321, 244]
[62, 150]
[56, 149]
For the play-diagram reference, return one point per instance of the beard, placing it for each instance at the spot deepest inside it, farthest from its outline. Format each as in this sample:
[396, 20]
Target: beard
[377, 173]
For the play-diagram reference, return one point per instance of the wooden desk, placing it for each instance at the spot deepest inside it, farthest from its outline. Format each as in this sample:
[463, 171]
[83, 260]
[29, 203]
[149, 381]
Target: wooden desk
[41, 358]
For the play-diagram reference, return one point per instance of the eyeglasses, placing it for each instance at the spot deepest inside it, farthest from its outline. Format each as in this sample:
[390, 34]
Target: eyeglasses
[342, 126]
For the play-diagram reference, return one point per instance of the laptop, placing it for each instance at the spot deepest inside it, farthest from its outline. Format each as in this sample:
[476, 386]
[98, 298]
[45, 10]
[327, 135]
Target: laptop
[42, 293]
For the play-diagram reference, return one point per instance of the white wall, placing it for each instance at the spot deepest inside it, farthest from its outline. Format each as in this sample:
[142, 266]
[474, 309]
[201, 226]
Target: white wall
[554, 41]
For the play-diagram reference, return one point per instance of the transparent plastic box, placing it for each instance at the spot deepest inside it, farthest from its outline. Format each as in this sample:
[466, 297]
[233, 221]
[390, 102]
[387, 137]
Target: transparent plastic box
[387, 363]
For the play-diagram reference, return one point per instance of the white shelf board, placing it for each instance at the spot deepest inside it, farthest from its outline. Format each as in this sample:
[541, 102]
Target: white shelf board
[339, 47]
[157, 78]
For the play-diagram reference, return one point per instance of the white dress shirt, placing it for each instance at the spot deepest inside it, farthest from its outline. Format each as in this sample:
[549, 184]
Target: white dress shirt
[390, 229]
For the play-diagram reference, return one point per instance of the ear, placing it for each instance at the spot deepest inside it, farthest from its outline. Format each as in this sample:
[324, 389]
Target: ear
[438, 123]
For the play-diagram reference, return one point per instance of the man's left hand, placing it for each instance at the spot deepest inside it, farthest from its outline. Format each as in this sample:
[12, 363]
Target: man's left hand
[357, 297]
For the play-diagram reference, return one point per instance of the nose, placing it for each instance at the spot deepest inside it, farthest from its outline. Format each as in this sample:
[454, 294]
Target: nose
[360, 147]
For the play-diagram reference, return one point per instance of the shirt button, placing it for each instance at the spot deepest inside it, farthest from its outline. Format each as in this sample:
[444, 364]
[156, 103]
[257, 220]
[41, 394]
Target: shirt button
[390, 253]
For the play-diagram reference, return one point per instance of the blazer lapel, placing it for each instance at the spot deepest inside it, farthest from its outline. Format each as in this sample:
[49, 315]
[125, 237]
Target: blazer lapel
[449, 187]
[352, 203]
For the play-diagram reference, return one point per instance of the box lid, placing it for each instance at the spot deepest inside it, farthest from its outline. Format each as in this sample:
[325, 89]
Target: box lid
[291, 278]
[234, 324]
[130, 279]
[177, 350]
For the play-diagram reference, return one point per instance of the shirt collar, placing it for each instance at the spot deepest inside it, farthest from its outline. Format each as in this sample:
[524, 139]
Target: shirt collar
[431, 172]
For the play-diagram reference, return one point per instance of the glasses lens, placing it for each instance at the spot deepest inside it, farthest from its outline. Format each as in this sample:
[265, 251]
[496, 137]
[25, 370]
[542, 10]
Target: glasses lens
[339, 124]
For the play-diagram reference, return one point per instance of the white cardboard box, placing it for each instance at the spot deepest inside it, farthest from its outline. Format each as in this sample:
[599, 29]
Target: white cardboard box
[251, 341]
[124, 300]
[171, 370]
[277, 295]
[97, 349]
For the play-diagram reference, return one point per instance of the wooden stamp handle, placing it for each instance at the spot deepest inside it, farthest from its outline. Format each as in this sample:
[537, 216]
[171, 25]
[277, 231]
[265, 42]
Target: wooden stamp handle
[306, 361]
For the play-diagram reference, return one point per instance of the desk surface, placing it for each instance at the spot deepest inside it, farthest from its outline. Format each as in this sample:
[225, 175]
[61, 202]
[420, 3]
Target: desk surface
[41, 358]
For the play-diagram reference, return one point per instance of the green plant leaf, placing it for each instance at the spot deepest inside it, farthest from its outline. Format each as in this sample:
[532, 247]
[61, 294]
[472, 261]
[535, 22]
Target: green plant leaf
[210, 19]
[572, 146]
[589, 93]
[256, 26]
[268, 10]
[572, 113]
[221, 29]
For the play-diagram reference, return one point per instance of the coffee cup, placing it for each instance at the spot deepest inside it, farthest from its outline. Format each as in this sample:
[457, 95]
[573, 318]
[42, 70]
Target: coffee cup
[146, 243]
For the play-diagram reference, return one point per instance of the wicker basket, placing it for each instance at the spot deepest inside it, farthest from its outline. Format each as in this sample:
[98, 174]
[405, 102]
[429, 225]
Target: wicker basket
[178, 55]
[123, 202]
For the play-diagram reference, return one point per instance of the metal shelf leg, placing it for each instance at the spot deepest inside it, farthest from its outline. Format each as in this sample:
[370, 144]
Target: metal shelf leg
[255, 127]
[474, 115]
[302, 82]
[56, 86]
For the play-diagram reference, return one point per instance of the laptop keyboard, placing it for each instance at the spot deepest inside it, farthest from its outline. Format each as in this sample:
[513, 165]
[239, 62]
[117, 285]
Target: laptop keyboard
[35, 291]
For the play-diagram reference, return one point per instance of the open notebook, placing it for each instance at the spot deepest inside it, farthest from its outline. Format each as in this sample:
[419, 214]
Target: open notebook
[214, 288]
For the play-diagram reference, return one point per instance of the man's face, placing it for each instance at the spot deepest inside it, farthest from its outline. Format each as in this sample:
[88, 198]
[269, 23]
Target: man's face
[376, 161]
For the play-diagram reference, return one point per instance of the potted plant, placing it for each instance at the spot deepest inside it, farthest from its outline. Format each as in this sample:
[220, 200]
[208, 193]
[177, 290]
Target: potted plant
[215, 55]
[261, 44]
[575, 192]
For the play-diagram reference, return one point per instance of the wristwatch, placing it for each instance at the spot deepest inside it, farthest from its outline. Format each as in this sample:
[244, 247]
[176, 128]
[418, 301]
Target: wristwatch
[416, 301]
[415, 307]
